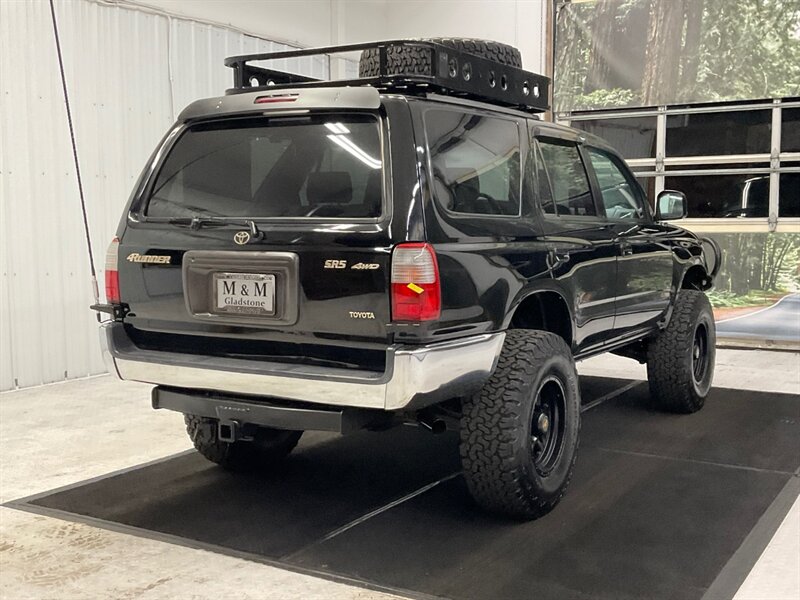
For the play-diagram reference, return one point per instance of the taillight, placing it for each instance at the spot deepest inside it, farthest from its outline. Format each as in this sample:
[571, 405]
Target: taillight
[112, 275]
[416, 293]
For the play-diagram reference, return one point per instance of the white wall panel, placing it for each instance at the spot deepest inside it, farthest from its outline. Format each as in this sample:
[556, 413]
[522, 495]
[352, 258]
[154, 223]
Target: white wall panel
[129, 73]
[298, 22]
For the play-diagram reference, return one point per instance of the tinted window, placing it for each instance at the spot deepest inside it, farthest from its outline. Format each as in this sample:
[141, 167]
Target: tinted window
[633, 137]
[706, 134]
[790, 133]
[568, 178]
[745, 195]
[543, 189]
[789, 195]
[476, 162]
[280, 167]
[621, 197]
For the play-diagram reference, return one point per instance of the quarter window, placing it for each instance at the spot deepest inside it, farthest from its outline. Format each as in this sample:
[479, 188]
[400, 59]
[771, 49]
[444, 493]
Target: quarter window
[570, 184]
[621, 198]
[476, 162]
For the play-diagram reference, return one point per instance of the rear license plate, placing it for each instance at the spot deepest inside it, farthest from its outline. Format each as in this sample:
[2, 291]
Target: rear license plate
[244, 293]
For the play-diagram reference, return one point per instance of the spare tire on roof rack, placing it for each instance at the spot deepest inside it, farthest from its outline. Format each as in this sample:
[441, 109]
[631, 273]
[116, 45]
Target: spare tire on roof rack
[416, 60]
[478, 70]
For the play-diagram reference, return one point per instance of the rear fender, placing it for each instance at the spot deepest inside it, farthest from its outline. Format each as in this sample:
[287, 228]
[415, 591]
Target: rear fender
[529, 294]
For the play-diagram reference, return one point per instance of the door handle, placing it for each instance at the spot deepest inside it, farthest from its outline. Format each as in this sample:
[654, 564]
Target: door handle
[625, 249]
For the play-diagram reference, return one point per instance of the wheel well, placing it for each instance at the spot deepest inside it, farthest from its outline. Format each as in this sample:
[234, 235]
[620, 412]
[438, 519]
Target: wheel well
[546, 311]
[696, 278]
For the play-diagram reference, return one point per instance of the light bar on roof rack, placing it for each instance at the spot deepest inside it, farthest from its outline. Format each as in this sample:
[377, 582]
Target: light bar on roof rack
[451, 72]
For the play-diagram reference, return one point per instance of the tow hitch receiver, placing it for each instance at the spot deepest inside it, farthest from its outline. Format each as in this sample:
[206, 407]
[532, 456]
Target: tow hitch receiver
[228, 431]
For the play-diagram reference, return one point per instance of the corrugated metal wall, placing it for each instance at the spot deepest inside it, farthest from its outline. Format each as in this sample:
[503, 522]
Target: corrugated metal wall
[129, 73]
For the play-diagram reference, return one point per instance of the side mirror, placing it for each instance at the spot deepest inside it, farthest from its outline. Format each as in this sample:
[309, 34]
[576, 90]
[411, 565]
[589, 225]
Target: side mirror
[671, 205]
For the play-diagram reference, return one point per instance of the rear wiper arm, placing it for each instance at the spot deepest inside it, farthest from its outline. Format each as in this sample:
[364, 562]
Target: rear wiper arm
[195, 223]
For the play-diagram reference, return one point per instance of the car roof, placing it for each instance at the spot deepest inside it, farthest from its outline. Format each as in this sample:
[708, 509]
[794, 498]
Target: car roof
[361, 97]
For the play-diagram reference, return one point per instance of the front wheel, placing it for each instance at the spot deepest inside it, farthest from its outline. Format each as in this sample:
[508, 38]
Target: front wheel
[680, 360]
[267, 447]
[519, 434]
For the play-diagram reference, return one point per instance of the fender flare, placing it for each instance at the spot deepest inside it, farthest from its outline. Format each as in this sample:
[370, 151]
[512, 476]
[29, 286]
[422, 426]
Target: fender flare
[540, 287]
[712, 243]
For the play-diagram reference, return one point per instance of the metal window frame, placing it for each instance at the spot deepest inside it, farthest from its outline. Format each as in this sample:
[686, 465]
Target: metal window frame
[774, 162]
[649, 111]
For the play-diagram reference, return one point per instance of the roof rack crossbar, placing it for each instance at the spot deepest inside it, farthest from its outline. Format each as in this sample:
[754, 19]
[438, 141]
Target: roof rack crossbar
[449, 71]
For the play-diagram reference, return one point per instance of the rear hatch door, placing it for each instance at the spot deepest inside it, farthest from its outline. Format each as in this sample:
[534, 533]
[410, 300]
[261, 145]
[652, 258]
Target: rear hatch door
[267, 227]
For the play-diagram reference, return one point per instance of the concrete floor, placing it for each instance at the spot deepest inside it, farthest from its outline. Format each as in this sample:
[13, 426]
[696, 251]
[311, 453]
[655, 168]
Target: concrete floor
[60, 434]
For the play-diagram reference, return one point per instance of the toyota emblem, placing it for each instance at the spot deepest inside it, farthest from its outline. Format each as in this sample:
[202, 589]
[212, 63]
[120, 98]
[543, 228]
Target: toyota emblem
[241, 237]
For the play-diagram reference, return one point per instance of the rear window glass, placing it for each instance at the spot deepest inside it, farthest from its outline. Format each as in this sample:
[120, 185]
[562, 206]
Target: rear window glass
[271, 168]
[476, 162]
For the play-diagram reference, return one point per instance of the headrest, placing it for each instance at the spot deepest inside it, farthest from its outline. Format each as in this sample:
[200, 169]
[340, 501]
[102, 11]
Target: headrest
[330, 187]
[466, 193]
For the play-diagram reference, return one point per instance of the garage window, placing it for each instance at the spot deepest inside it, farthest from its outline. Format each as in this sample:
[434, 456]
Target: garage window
[714, 195]
[633, 137]
[723, 133]
[723, 157]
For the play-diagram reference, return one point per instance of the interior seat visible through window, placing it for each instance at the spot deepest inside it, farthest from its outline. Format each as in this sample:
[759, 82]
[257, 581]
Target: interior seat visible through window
[476, 162]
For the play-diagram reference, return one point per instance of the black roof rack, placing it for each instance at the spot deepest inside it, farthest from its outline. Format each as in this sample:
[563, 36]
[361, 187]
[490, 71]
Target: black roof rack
[451, 72]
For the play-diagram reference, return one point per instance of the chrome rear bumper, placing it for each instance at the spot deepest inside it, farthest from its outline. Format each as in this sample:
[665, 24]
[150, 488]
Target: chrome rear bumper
[415, 376]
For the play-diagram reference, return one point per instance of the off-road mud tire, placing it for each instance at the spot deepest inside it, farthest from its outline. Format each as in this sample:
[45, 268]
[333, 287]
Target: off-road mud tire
[496, 429]
[408, 60]
[674, 384]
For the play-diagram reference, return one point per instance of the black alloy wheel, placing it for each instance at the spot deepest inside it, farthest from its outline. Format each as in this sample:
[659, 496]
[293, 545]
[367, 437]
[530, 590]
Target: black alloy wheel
[519, 434]
[700, 353]
[547, 425]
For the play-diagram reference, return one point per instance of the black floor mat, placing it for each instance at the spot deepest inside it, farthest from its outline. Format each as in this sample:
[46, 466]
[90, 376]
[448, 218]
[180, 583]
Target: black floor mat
[658, 505]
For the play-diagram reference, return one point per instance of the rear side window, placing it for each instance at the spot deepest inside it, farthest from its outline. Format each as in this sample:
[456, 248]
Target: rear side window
[271, 168]
[476, 162]
[568, 179]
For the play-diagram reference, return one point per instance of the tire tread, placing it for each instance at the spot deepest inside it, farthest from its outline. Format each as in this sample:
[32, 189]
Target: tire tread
[492, 421]
[669, 376]
[408, 60]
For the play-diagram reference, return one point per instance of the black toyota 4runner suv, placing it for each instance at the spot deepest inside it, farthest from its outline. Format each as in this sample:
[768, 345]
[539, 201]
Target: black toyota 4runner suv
[413, 245]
